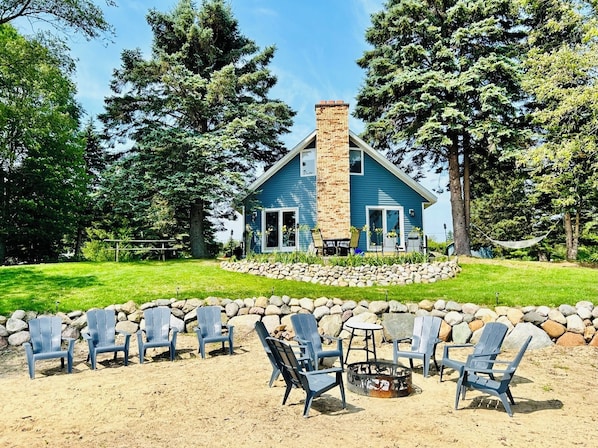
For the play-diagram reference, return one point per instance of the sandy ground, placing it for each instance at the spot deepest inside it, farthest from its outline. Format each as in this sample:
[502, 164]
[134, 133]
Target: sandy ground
[224, 401]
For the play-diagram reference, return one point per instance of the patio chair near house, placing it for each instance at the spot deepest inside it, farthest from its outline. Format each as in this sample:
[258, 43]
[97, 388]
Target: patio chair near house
[307, 334]
[101, 336]
[314, 383]
[46, 343]
[500, 388]
[210, 329]
[157, 332]
[487, 348]
[423, 342]
[321, 247]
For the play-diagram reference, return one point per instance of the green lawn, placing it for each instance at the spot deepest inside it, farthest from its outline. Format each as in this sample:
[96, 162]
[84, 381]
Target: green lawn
[80, 286]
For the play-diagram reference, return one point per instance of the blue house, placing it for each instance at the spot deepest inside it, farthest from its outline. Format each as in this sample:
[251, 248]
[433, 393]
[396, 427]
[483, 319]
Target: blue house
[334, 181]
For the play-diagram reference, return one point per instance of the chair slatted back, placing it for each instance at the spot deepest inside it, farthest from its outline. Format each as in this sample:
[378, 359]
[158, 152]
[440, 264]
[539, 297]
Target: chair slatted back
[425, 333]
[46, 334]
[306, 329]
[287, 363]
[489, 344]
[102, 326]
[209, 320]
[157, 323]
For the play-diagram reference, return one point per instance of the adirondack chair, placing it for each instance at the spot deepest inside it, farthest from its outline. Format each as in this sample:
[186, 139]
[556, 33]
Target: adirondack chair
[471, 378]
[46, 343]
[157, 332]
[314, 382]
[423, 342]
[210, 329]
[306, 333]
[263, 334]
[487, 348]
[101, 335]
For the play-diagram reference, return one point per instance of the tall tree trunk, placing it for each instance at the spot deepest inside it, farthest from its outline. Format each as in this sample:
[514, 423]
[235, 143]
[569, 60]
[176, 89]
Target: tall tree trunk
[466, 184]
[197, 239]
[460, 230]
[571, 235]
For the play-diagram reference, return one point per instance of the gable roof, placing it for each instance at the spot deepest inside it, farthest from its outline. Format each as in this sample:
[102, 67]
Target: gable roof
[393, 169]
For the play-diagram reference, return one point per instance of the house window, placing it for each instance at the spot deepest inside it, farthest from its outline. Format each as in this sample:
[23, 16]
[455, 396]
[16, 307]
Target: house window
[308, 162]
[280, 230]
[385, 229]
[356, 161]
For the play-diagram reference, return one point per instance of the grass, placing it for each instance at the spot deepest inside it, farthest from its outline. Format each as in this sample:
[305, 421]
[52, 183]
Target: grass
[80, 286]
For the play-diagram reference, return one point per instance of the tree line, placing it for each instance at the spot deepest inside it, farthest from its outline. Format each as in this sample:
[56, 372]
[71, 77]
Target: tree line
[499, 94]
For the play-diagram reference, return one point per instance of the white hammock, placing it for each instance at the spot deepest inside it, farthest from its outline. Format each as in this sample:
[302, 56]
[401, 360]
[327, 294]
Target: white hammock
[521, 244]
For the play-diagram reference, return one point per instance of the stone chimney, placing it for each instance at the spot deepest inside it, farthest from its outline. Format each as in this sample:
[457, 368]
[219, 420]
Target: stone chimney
[332, 169]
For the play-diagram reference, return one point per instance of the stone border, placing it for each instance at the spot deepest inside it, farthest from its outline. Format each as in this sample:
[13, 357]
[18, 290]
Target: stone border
[367, 275]
[566, 325]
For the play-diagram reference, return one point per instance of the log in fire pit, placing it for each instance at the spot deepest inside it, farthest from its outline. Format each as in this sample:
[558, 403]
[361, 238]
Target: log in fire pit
[379, 379]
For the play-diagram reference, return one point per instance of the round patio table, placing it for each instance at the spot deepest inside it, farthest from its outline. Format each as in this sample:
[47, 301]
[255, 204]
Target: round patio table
[368, 328]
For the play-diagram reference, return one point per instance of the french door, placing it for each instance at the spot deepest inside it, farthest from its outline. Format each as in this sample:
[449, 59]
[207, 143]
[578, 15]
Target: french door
[279, 230]
[385, 229]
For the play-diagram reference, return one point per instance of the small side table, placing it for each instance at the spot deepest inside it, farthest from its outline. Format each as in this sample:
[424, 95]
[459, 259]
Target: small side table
[369, 329]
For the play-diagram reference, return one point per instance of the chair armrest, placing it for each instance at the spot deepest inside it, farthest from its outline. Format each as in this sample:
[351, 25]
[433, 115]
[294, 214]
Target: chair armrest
[324, 371]
[445, 352]
[402, 340]
[86, 336]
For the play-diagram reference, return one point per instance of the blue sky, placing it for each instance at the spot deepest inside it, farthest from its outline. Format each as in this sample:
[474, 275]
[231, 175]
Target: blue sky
[317, 41]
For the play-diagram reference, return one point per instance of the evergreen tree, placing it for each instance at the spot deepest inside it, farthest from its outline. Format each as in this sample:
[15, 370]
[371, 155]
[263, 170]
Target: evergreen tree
[41, 155]
[199, 116]
[442, 89]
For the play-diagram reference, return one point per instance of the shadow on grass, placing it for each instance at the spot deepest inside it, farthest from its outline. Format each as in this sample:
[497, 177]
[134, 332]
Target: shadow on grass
[32, 289]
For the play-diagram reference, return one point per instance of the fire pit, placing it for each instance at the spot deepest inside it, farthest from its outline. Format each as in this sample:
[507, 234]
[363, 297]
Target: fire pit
[379, 379]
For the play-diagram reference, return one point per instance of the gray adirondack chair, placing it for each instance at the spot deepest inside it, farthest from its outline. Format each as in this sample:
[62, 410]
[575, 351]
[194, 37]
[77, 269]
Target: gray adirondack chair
[314, 382]
[263, 334]
[307, 334]
[471, 378]
[210, 329]
[101, 336]
[423, 342]
[46, 343]
[157, 332]
[487, 348]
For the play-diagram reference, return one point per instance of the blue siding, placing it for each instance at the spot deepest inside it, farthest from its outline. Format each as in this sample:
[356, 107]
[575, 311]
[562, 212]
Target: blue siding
[380, 187]
[287, 188]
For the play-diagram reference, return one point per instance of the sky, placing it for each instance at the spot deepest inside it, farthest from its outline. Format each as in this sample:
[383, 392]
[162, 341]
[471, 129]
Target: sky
[317, 45]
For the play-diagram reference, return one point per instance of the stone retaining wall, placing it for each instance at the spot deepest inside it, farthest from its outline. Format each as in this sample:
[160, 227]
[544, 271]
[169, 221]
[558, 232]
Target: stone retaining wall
[385, 275]
[566, 325]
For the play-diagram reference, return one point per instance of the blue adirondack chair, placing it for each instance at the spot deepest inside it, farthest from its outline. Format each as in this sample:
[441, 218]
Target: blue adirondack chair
[471, 378]
[307, 334]
[46, 343]
[423, 342]
[210, 329]
[487, 348]
[314, 382]
[263, 334]
[157, 332]
[101, 336]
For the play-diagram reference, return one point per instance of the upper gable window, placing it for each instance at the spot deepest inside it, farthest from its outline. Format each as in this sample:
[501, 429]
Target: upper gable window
[355, 161]
[308, 162]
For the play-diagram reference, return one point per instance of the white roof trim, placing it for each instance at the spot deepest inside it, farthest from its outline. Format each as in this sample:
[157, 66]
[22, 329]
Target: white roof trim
[400, 174]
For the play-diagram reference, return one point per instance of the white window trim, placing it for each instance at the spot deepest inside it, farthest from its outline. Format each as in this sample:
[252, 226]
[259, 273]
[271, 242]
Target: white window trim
[384, 209]
[362, 156]
[302, 152]
[280, 247]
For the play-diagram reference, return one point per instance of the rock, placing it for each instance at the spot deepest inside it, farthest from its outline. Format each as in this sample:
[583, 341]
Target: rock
[397, 326]
[14, 325]
[261, 302]
[569, 339]
[231, 309]
[270, 322]
[426, 305]
[515, 339]
[128, 307]
[575, 324]
[177, 323]
[18, 315]
[331, 324]
[307, 304]
[470, 308]
[321, 311]
[557, 316]
[244, 325]
[475, 325]
[453, 318]
[272, 310]
[378, 307]
[453, 306]
[445, 331]
[567, 310]
[19, 338]
[127, 326]
[534, 317]
[553, 329]
[461, 333]
[514, 315]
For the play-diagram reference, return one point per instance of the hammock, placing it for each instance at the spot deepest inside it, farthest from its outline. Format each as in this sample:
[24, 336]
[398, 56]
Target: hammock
[521, 244]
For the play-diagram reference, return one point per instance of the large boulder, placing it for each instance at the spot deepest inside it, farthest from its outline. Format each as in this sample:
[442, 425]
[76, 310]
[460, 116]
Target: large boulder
[520, 333]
